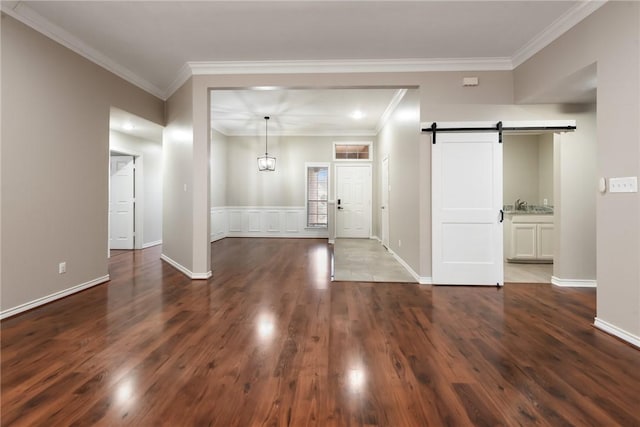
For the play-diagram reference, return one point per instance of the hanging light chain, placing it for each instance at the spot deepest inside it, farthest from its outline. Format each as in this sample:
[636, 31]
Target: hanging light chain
[266, 135]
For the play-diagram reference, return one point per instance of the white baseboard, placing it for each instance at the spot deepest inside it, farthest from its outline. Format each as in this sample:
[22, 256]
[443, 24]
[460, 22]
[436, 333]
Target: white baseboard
[617, 332]
[573, 283]
[190, 274]
[420, 279]
[54, 296]
[150, 244]
[215, 238]
[425, 280]
[202, 276]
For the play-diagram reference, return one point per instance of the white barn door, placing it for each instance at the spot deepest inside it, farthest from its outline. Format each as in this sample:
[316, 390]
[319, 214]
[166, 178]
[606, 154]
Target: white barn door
[466, 209]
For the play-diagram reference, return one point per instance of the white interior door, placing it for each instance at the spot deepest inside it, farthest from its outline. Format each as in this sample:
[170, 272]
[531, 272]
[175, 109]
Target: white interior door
[353, 201]
[466, 205]
[121, 202]
[384, 203]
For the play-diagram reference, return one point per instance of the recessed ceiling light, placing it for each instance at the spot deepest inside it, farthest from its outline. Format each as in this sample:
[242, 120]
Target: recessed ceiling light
[357, 115]
[265, 87]
[128, 126]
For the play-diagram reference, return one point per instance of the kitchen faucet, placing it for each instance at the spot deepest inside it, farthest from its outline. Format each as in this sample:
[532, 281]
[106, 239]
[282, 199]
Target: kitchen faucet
[520, 205]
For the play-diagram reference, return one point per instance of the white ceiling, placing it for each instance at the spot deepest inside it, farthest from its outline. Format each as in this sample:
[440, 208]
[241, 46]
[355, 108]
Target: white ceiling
[149, 43]
[158, 44]
[303, 112]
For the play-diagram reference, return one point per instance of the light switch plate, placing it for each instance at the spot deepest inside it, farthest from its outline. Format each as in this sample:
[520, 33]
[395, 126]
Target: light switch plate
[627, 184]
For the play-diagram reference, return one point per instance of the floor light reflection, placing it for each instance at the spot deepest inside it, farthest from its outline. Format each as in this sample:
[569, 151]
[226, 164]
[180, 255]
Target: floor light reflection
[357, 380]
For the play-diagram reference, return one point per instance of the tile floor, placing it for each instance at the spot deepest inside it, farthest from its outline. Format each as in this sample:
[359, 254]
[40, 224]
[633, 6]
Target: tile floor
[366, 260]
[527, 273]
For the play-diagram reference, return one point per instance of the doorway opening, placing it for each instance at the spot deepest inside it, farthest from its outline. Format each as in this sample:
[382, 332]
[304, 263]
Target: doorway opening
[135, 182]
[468, 210]
[528, 175]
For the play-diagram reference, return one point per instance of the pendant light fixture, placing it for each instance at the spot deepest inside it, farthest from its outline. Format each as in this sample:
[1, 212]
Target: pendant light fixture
[266, 163]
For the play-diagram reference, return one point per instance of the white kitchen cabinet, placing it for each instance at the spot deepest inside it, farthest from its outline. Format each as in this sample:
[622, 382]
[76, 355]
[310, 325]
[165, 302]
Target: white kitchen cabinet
[529, 238]
[544, 241]
[523, 241]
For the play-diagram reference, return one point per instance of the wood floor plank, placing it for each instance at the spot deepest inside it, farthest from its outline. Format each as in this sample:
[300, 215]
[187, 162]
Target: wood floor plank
[269, 340]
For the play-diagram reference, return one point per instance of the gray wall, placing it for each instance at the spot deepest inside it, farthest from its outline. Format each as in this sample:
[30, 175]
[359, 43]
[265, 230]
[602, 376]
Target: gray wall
[151, 197]
[178, 182]
[219, 162]
[520, 168]
[528, 169]
[55, 163]
[545, 168]
[246, 186]
[609, 38]
[575, 170]
[399, 140]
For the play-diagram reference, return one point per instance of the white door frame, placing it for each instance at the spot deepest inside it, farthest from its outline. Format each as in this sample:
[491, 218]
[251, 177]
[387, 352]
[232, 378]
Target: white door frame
[335, 192]
[138, 198]
[384, 225]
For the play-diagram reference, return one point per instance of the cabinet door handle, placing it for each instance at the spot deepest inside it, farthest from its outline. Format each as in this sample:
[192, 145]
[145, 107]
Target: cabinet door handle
[501, 215]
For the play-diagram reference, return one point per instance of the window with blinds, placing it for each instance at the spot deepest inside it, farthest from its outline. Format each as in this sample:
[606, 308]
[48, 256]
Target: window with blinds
[317, 195]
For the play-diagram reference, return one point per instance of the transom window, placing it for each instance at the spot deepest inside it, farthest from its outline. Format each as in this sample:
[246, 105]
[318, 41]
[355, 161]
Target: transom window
[352, 151]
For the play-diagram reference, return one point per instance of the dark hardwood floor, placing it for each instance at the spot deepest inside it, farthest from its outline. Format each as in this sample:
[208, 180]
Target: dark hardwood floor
[270, 341]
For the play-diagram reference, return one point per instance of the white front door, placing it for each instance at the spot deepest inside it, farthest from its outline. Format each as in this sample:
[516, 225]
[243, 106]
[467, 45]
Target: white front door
[466, 209]
[121, 203]
[384, 204]
[353, 200]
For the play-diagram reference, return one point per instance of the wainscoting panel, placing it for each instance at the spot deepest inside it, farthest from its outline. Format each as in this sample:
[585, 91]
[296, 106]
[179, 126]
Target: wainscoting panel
[235, 220]
[273, 221]
[267, 221]
[254, 221]
[219, 223]
[291, 220]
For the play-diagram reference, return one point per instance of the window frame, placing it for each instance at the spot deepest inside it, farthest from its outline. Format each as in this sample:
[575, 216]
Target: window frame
[307, 166]
[367, 143]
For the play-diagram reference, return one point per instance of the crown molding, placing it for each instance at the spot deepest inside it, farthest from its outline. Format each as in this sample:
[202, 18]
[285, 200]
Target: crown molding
[349, 133]
[23, 13]
[348, 66]
[560, 26]
[395, 100]
[336, 133]
[183, 75]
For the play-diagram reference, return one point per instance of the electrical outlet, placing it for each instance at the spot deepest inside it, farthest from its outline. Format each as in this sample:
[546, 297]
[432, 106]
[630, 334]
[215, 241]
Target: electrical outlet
[628, 184]
[399, 243]
[62, 268]
[545, 202]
